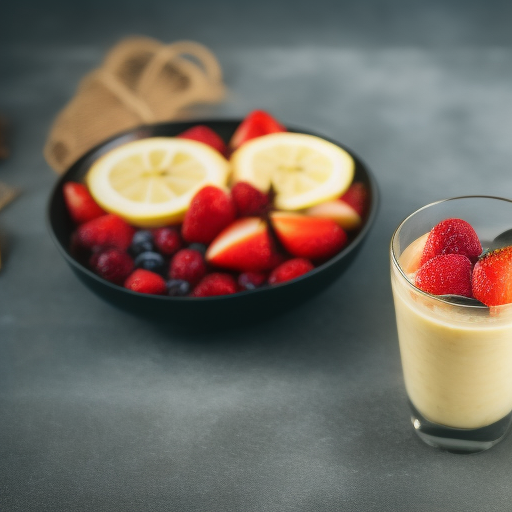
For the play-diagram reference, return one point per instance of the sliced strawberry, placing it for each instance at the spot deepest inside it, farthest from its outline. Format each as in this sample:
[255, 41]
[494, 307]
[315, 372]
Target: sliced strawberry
[202, 133]
[145, 281]
[244, 246]
[452, 236]
[290, 270]
[357, 197]
[446, 274]
[112, 264]
[249, 201]
[492, 277]
[214, 284]
[105, 231]
[210, 211]
[255, 124]
[308, 237]
[339, 211]
[187, 265]
[79, 202]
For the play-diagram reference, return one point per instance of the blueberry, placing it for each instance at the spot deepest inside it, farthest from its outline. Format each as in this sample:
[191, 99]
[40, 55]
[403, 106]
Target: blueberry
[150, 260]
[198, 247]
[142, 241]
[178, 287]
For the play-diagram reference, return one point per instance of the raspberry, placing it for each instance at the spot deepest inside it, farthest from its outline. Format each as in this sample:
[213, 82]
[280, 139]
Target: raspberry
[105, 231]
[167, 240]
[290, 270]
[112, 264]
[216, 283]
[187, 265]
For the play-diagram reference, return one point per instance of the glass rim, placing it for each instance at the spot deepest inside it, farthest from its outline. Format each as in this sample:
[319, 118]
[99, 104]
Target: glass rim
[439, 298]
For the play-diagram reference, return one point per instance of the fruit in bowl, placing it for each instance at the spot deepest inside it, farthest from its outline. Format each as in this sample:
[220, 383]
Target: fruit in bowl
[183, 212]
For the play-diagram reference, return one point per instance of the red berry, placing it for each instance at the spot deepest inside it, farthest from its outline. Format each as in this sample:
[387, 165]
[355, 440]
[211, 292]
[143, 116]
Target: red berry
[167, 240]
[357, 197]
[216, 283]
[251, 280]
[290, 270]
[112, 264]
[255, 124]
[79, 202]
[210, 211]
[492, 277]
[452, 236]
[249, 201]
[187, 265]
[105, 231]
[446, 274]
[145, 281]
[205, 135]
[313, 238]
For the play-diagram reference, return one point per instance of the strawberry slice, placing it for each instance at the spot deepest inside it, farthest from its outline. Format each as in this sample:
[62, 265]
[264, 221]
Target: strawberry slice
[446, 274]
[492, 277]
[452, 236]
[210, 211]
[206, 135]
[255, 124]
[339, 211]
[79, 202]
[313, 238]
[244, 246]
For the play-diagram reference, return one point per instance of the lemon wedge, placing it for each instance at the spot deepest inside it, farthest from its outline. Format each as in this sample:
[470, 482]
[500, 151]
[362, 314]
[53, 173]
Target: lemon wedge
[303, 170]
[150, 182]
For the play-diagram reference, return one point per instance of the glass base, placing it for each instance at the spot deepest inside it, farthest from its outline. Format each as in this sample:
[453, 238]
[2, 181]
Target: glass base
[459, 440]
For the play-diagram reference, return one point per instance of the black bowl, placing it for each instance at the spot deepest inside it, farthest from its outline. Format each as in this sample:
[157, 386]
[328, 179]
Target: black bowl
[254, 304]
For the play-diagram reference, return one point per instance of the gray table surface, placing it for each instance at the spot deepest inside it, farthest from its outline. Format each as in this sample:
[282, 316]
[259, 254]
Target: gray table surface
[103, 411]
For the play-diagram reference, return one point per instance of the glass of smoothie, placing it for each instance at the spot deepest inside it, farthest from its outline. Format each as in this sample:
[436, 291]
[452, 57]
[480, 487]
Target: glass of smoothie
[456, 353]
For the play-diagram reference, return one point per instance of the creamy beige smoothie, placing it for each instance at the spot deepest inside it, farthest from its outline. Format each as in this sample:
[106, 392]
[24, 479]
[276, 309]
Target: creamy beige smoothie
[457, 360]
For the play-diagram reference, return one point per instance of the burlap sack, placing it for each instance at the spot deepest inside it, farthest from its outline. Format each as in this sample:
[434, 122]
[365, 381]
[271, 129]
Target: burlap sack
[141, 81]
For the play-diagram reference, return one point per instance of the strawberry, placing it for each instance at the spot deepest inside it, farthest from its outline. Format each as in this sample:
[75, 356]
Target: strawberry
[290, 270]
[216, 283]
[357, 197]
[210, 211]
[492, 277]
[339, 211]
[452, 236]
[112, 264]
[145, 281]
[79, 202]
[308, 237]
[251, 280]
[249, 201]
[255, 124]
[202, 133]
[187, 265]
[446, 274]
[244, 246]
[167, 240]
[106, 231]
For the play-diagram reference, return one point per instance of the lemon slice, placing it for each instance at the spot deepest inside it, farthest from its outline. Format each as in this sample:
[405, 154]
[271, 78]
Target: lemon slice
[303, 170]
[150, 182]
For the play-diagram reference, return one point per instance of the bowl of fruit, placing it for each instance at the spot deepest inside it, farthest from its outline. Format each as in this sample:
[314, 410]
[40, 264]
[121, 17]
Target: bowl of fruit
[212, 220]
